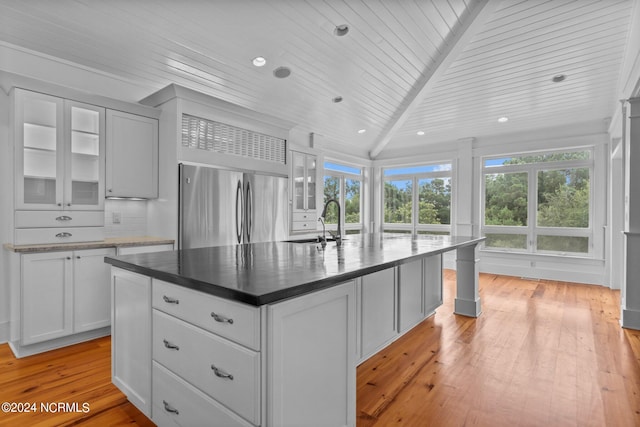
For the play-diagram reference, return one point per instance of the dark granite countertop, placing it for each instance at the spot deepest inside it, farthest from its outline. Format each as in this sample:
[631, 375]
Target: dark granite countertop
[263, 273]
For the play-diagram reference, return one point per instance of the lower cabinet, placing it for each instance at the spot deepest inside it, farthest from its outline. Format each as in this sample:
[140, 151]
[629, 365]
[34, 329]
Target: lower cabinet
[392, 301]
[63, 293]
[131, 337]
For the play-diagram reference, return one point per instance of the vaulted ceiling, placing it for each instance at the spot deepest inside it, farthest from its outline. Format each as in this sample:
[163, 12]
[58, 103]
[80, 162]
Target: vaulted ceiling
[446, 69]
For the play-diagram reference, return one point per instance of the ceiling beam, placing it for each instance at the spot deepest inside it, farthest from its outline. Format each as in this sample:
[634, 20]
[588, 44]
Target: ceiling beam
[456, 41]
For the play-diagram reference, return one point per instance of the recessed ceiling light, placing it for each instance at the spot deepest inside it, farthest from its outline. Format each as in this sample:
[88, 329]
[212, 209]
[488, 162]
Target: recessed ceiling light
[259, 61]
[559, 78]
[362, 131]
[337, 99]
[341, 30]
[503, 119]
[282, 72]
[420, 132]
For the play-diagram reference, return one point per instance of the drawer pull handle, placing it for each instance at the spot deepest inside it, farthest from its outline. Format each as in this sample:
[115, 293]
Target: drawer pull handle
[221, 319]
[220, 373]
[64, 218]
[64, 234]
[170, 346]
[170, 300]
[170, 408]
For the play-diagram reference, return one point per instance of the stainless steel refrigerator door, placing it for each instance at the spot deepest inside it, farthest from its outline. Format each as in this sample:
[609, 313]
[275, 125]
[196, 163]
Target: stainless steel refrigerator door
[266, 208]
[212, 207]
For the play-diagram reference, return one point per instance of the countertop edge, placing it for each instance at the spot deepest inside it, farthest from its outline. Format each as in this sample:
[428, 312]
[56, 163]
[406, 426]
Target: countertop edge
[115, 242]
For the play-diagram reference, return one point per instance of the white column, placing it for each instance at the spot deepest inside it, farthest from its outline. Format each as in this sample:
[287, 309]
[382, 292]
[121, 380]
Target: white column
[631, 294]
[467, 300]
[465, 196]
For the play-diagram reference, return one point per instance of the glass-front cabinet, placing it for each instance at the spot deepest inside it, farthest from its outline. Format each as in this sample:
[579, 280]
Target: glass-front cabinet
[59, 153]
[304, 175]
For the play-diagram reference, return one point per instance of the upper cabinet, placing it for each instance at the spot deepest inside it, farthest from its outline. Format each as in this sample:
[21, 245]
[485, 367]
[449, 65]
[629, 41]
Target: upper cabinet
[132, 155]
[59, 153]
[304, 178]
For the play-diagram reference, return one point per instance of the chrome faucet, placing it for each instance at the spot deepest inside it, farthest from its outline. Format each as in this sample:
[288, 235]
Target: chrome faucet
[337, 236]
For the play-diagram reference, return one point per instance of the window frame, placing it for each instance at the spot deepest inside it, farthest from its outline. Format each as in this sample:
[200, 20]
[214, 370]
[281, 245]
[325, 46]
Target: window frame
[342, 177]
[415, 228]
[532, 230]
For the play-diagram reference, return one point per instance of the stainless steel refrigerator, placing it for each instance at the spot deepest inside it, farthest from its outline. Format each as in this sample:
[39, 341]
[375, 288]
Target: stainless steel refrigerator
[226, 207]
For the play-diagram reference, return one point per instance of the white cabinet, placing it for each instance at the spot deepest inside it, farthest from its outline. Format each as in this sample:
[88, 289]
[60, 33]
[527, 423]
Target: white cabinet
[91, 290]
[47, 296]
[304, 178]
[432, 277]
[131, 337]
[128, 250]
[311, 359]
[132, 155]
[63, 293]
[410, 295]
[59, 154]
[378, 313]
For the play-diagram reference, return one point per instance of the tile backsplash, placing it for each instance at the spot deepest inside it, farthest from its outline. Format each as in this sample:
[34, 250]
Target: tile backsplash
[131, 214]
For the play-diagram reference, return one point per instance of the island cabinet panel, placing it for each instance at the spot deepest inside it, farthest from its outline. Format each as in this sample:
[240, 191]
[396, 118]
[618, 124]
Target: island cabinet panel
[311, 359]
[226, 371]
[131, 337]
[378, 313]
[410, 295]
[177, 403]
[432, 277]
[235, 321]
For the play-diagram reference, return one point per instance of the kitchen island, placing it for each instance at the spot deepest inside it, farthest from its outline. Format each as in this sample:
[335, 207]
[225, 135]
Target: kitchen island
[271, 333]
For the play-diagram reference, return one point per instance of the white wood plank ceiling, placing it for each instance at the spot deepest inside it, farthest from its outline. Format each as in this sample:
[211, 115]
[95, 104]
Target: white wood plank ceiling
[448, 68]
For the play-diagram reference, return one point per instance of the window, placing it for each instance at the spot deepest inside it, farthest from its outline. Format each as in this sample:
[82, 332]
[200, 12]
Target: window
[539, 203]
[417, 199]
[344, 184]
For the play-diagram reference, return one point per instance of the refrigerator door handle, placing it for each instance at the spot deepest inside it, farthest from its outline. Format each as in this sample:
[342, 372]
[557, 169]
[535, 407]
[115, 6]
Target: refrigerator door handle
[249, 215]
[239, 212]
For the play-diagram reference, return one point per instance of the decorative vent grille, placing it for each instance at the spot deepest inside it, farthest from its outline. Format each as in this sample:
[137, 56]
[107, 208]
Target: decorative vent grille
[208, 135]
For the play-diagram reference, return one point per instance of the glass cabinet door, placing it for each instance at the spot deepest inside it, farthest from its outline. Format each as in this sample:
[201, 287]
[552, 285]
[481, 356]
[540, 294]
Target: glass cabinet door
[39, 124]
[84, 169]
[311, 181]
[298, 181]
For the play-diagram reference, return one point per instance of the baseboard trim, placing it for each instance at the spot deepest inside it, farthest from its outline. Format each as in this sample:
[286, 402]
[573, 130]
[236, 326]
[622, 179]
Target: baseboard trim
[29, 350]
[630, 319]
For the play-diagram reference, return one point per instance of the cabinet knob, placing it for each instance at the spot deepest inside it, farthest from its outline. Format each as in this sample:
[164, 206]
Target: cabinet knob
[220, 373]
[63, 218]
[68, 257]
[64, 234]
[110, 190]
[77, 257]
[170, 408]
[59, 204]
[221, 319]
[68, 204]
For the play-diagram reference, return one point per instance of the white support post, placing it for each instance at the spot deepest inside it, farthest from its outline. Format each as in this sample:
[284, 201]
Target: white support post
[467, 301]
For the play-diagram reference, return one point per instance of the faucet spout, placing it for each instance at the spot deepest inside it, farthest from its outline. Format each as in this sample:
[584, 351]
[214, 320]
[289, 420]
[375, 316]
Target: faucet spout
[338, 237]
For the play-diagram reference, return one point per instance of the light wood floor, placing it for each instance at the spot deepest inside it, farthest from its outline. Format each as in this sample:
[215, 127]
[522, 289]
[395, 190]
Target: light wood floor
[543, 353]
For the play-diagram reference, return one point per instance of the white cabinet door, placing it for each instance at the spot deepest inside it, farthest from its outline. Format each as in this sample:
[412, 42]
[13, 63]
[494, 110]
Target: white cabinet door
[378, 310]
[311, 359]
[410, 295]
[131, 337]
[91, 289]
[39, 147]
[432, 283]
[47, 296]
[132, 155]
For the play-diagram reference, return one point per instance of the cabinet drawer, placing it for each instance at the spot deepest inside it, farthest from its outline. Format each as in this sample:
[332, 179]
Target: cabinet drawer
[177, 403]
[35, 219]
[226, 371]
[34, 236]
[236, 321]
[305, 216]
[303, 225]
